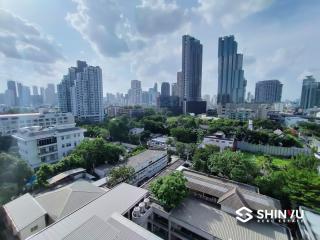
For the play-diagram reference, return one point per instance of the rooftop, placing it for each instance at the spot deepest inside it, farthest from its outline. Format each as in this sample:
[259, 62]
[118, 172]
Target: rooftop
[310, 224]
[65, 200]
[229, 191]
[148, 156]
[118, 200]
[65, 174]
[221, 225]
[40, 131]
[23, 211]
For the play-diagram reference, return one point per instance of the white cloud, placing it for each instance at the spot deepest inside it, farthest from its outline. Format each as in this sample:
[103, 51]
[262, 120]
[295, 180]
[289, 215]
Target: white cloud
[228, 12]
[20, 39]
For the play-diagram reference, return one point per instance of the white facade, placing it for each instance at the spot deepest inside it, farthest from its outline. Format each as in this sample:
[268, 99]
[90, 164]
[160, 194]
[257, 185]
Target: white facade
[217, 140]
[10, 123]
[39, 145]
[158, 143]
[147, 164]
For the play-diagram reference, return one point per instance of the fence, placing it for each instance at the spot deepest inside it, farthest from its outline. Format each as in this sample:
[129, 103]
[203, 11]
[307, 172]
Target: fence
[272, 150]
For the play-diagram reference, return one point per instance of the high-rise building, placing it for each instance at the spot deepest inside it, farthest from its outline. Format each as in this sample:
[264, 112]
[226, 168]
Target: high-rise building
[135, 93]
[81, 92]
[165, 89]
[11, 93]
[180, 86]
[145, 98]
[24, 95]
[191, 67]
[231, 81]
[174, 90]
[192, 75]
[268, 91]
[310, 93]
[50, 96]
[64, 88]
[35, 90]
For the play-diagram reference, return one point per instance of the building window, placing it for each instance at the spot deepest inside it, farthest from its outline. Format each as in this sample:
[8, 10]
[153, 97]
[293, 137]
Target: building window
[35, 228]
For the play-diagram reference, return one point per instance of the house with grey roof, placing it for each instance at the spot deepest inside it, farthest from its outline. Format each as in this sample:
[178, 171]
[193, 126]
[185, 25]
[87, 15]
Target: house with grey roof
[24, 216]
[27, 214]
[107, 217]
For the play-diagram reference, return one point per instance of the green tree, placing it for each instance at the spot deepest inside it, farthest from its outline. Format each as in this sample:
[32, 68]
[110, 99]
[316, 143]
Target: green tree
[170, 190]
[185, 135]
[303, 188]
[233, 165]
[118, 128]
[120, 174]
[307, 162]
[44, 172]
[201, 157]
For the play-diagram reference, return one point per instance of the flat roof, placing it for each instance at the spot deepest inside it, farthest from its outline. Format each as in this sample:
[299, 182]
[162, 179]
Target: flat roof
[63, 175]
[118, 200]
[148, 155]
[18, 115]
[24, 210]
[204, 216]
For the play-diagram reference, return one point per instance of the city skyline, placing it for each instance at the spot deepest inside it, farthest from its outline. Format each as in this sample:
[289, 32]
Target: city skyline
[128, 48]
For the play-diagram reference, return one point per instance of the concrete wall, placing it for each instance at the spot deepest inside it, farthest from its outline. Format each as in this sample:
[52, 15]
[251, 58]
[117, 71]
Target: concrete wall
[272, 150]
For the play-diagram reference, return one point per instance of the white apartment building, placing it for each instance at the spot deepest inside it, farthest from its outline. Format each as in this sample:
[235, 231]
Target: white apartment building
[218, 139]
[147, 164]
[10, 123]
[39, 145]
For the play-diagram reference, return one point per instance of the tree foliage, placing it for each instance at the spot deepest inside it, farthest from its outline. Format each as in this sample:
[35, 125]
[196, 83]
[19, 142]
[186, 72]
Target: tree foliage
[185, 135]
[201, 157]
[233, 165]
[120, 174]
[88, 154]
[14, 174]
[170, 190]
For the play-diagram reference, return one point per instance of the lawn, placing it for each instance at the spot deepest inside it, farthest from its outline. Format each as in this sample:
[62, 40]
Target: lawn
[277, 161]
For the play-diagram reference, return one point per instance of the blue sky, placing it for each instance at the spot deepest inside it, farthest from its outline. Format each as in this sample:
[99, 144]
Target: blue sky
[141, 39]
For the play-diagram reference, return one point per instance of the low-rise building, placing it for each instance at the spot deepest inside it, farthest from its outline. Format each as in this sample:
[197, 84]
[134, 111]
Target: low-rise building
[10, 123]
[158, 143]
[294, 120]
[147, 164]
[39, 145]
[106, 217]
[136, 131]
[28, 215]
[218, 139]
[208, 212]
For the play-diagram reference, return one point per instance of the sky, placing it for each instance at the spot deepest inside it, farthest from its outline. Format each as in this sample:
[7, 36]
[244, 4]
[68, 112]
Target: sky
[141, 39]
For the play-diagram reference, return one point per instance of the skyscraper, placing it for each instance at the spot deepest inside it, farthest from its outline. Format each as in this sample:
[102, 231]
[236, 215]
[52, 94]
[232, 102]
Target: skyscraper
[180, 86]
[268, 91]
[35, 90]
[231, 81]
[165, 89]
[310, 93]
[191, 68]
[50, 94]
[174, 90]
[135, 93]
[12, 93]
[64, 88]
[81, 92]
